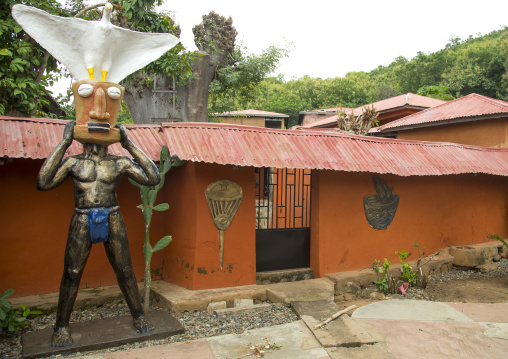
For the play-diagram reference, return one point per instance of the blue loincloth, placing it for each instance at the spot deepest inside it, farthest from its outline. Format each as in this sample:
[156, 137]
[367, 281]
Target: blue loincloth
[99, 224]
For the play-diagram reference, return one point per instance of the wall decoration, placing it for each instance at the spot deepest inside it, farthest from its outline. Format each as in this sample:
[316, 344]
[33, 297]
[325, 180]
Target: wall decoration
[224, 197]
[380, 208]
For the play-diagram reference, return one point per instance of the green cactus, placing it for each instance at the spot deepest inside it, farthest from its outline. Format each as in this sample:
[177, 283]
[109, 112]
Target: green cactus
[148, 197]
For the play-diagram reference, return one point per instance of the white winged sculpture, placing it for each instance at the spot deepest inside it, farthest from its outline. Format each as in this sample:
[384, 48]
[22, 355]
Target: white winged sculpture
[93, 49]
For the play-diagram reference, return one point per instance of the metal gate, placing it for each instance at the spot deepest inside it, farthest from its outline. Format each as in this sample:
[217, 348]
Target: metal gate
[283, 198]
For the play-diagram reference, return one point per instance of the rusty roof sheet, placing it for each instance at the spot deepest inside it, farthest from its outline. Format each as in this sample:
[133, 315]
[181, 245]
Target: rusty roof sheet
[468, 108]
[261, 147]
[387, 105]
[36, 137]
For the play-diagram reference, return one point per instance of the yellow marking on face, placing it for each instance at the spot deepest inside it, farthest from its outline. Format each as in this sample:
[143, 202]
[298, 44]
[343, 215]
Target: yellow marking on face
[90, 73]
[104, 75]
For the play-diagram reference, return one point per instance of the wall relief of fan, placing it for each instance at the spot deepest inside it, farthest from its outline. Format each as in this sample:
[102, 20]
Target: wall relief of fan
[224, 197]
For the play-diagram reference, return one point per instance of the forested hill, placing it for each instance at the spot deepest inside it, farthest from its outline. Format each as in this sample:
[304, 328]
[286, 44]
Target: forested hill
[478, 64]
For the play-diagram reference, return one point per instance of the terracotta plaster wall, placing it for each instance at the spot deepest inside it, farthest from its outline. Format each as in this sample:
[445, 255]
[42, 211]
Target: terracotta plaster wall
[436, 212]
[192, 258]
[34, 232]
[487, 133]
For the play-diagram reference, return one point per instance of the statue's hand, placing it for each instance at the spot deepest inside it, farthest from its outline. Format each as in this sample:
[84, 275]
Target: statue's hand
[124, 138]
[68, 132]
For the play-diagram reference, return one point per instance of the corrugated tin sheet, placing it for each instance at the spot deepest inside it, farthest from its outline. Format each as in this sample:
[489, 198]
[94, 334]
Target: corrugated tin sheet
[387, 105]
[36, 137]
[469, 106]
[261, 147]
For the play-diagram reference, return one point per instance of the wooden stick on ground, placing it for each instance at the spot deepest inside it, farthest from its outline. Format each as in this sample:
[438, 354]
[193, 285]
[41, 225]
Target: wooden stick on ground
[335, 316]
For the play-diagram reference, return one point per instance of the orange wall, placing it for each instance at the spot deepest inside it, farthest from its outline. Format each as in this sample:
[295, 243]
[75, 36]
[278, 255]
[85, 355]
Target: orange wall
[435, 211]
[192, 258]
[487, 133]
[34, 232]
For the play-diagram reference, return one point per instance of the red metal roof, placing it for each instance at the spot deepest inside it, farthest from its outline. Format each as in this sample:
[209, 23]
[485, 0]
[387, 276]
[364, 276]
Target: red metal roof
[466, 108]
[262, 147]
[332, 150]
[36, 137]
[387, 105]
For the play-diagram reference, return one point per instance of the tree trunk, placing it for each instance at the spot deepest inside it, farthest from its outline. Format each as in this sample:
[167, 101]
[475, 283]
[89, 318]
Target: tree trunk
[191, 99]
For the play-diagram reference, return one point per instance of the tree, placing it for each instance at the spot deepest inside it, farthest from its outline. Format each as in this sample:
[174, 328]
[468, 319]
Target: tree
[359, 125]
[26, 69]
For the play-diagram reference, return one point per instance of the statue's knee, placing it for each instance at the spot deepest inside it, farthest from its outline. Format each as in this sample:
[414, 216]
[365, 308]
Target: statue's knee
[72, 274]
[127, 271]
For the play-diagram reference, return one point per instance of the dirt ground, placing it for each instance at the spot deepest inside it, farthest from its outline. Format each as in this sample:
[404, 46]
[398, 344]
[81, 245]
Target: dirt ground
[469, 290]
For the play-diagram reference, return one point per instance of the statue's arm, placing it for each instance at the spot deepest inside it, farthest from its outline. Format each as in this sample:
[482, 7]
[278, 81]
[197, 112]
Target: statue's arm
[54, 171]
[142, 169]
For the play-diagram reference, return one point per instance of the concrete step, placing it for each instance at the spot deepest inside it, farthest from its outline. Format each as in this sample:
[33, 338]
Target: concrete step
[283, 276]
[179, 299]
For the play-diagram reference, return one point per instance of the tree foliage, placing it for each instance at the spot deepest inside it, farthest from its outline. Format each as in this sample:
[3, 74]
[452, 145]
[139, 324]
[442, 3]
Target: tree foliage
[478, 64]
[26, 69]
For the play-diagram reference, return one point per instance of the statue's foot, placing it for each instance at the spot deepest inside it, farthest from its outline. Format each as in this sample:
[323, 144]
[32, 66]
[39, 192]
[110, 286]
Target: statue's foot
[61, 337]
[142, 324]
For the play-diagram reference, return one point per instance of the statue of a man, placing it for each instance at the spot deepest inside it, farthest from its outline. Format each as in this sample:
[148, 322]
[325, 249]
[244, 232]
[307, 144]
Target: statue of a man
[97, 218]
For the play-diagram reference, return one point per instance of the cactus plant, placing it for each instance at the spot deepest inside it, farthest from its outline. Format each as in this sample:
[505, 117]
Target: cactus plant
[148, 197]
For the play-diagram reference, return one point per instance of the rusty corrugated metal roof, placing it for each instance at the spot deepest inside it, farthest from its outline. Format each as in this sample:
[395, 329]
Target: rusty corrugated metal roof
[467, 108]
[35, 138]
[390, 104]
[260, 147]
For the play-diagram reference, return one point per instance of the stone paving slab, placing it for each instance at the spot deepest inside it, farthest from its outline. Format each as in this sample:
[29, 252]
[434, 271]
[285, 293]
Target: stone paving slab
[483, 312]
[341, 332]
[375, 351]
[179, 299]
[100, 334]
[405, 309]
[306, 290]
[439, 340]
[197, 349]
[295, 341]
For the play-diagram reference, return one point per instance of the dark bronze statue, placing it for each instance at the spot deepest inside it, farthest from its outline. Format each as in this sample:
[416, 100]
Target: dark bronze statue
[97, 218]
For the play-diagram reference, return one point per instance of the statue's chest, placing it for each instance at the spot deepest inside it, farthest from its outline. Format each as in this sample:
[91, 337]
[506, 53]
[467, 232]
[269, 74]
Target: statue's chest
[90, 171]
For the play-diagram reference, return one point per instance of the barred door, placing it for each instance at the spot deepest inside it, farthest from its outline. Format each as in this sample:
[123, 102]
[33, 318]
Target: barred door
[283, 198]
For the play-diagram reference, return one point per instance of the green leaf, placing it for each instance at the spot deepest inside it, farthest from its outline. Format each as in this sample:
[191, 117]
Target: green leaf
[134, 183]
[5, 52]
[162, 243]
[144, 194]
[7, 293]
[147, 251]
[166, 167]
[164, 155]
[152, 196]
[2, 313]
[147, 214]
[161, 207]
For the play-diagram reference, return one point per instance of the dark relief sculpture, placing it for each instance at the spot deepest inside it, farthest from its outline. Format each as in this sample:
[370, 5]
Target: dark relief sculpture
[380, 208]
[97, 218]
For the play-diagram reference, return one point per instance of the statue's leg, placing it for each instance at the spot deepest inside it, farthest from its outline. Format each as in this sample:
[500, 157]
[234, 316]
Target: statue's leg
[119, 255]
[76, 254]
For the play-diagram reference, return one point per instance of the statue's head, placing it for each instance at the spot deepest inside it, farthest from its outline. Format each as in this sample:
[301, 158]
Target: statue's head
[97, 104]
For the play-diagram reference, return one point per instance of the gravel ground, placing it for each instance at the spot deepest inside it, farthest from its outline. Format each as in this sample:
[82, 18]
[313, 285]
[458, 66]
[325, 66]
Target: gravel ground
[454, 274]
[201, 324]
[197, 325]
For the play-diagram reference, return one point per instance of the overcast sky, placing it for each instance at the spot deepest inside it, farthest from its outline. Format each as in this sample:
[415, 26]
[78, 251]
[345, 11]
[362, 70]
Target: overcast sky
[332, 38]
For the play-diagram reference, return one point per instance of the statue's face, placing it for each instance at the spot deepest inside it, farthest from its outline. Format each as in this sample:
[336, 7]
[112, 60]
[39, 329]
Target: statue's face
[97, 104]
